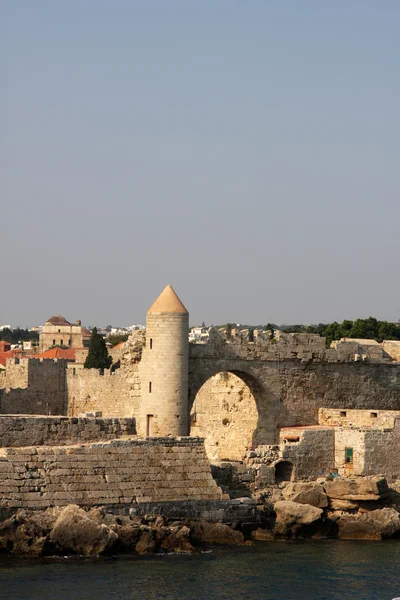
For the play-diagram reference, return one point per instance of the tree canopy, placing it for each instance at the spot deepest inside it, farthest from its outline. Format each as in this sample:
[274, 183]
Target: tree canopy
[13, 336]
[98, 357]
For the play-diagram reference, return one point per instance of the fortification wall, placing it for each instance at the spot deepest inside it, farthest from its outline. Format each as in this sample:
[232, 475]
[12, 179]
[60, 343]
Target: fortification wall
[17, 431]
[111, 394]
[34, 386]
[115, 473]
[114, 394]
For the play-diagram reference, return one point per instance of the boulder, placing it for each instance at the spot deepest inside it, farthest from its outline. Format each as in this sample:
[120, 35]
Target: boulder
[373, 525]
[262, 534]
[146, 543]
[306, 493]
[30, 541]
[215, 533]
[292, 516]
[8, 529]
[77, 532]
[362, 488]
[177, 540]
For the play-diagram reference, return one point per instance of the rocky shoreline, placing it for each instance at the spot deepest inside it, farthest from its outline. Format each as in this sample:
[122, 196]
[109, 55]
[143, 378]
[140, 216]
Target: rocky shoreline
[361, 508]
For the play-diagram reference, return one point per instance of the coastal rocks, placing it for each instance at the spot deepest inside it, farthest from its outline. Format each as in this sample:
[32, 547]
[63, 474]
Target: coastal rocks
[262, 535]
[178, 540]
[362, 488]
[146, 543]
[306, 493]
[373, 525]
[292, 516]
[77, 532]
[215, 533]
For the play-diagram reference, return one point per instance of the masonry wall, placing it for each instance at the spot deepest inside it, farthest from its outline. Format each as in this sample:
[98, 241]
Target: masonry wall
[34, 386]
[17, 431]
[111, 394]
[294, 380]
[114, 394]
[115, 473]
[381, 455]
[350, 438]
[313, 455]
[357, 418]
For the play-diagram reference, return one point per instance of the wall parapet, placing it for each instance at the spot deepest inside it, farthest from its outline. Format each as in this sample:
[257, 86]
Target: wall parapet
[304, 347]
[22, 430]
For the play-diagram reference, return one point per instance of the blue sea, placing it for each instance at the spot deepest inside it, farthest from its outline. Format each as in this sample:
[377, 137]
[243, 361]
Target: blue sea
[320, 570]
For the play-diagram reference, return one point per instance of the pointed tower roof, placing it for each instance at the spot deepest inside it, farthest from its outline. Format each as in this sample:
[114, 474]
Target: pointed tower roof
[168, 302]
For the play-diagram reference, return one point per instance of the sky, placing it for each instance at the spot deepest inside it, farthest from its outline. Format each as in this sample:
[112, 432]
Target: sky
[247, 153]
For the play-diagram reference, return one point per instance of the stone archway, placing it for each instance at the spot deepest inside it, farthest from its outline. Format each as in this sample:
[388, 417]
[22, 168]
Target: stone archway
[230, 410]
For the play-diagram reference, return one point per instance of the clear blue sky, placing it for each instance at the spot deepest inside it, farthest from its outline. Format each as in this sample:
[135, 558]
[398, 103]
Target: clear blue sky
[245, 152]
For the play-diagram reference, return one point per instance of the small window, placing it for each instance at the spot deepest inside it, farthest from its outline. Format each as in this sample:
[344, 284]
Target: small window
[151, 343]
[62, 342]
[59, 331]
[343, 413]
[54, 342]
[348, 456]
[149, 387]
[69, 342]
[374, 415]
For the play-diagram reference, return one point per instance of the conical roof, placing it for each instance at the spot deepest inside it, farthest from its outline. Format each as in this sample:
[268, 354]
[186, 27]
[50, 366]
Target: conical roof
[168, 302]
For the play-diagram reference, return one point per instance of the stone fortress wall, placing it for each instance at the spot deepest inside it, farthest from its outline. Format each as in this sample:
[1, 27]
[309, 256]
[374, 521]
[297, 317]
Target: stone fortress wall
[22, 430]
[34, 386]
[117, 474]
[269, 384]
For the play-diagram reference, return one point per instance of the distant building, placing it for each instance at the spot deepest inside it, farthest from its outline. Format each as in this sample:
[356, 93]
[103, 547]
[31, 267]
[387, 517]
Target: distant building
[60, 332]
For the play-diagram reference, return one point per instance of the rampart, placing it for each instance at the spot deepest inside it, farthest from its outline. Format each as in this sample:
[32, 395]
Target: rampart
[292, 377]
[116, 474]
[21, 430]
[34, 386]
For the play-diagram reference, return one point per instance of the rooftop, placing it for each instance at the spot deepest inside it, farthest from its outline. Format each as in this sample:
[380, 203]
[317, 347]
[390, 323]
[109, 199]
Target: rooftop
[168, 302]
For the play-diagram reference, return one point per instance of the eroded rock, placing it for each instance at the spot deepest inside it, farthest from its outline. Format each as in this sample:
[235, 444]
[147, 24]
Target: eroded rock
[76, 531]
[306, 493]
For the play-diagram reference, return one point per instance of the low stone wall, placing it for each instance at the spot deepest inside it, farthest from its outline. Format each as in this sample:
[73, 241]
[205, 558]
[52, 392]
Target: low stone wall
[116, 473]
[312, 455]
[21, 430]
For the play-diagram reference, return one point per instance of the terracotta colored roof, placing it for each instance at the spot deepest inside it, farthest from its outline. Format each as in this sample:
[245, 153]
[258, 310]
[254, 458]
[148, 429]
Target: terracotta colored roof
[67, 354]
[119, 345]
[16, 353]
[168, 302]
[58, 320]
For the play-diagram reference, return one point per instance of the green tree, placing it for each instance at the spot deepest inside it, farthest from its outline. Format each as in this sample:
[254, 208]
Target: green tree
[98, 357]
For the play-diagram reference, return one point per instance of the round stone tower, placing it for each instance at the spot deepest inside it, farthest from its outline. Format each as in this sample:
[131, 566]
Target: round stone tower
[164, 368]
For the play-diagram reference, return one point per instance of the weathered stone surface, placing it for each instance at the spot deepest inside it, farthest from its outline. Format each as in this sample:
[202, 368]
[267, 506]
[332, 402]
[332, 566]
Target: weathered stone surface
[336, 504]
[262, 535]
[291, 516]
[177, 540]
[76, 531]
[215, 533]
[306, 493]
[366, 488]
[373, 525]
[146, 543]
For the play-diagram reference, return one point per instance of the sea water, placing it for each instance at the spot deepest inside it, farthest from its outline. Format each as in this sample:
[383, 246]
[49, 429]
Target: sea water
[320, 570]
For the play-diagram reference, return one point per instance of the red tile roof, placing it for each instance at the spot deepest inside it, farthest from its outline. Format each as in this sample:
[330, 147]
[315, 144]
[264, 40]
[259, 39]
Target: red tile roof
[67, 354]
